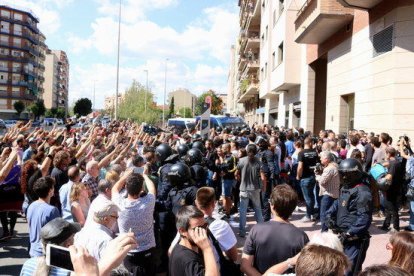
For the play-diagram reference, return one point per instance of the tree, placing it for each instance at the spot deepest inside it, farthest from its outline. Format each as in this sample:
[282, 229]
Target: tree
[216, 103]
[172, 106]
[185, 112]
[132, 105]
[83, 107]
[37, 108]
[19, 107]
[60, 113]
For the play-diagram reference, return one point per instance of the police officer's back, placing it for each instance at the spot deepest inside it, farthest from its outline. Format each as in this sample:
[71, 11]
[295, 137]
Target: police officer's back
[351, 214]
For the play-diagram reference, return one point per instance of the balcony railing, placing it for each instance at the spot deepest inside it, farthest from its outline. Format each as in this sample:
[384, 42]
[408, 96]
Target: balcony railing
[363, 4]
[318, 20]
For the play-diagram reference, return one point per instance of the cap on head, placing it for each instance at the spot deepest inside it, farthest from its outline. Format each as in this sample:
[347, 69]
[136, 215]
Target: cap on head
[58, 230]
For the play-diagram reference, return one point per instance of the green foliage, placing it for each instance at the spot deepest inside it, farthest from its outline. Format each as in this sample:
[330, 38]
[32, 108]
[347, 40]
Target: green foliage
[243, 85]
[83, 107]
[55, 113]
[37, 108]
[216, 103]
[132, 106]
[172, 107]
[19, 107]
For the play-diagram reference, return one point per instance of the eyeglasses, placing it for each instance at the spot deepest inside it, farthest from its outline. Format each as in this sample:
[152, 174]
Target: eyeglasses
[204, 226]
[115, 217]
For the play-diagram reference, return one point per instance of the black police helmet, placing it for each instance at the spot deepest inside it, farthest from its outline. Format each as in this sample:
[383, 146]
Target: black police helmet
[261, 141]
[163, 151]
[182, 149]
[199, 145]
[194, 156]
[196, 137]
[351, 172]
[179, 174]
[219, 129]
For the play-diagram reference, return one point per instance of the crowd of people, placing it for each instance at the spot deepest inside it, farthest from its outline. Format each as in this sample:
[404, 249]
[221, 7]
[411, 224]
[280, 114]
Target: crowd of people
[126, 201]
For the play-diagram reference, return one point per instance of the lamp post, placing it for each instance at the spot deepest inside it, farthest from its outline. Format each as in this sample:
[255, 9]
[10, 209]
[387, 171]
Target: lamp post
[165, 93]
[146, 91]
[117, 66]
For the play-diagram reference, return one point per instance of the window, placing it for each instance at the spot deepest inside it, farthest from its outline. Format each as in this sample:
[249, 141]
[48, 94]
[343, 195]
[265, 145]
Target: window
[274, 60]
[5, 14]
[265, 71]
[18, 16]
[267, 33]
[263, 39]
[280, 54]
[383, 41]
[274, 17]
[17, 41]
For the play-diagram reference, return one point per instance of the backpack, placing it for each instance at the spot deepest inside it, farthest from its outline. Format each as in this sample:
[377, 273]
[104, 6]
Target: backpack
[378, 172]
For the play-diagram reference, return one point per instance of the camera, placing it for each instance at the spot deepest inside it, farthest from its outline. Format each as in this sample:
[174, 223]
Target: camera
[151, 130]
[318, 168]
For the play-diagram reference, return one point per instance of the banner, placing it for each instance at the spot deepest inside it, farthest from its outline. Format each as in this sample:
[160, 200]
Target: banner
[205, 118]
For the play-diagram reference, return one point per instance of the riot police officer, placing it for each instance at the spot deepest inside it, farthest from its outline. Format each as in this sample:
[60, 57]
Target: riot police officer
[194, 160]
[166, 159]
[351, 214]
[267, 159]
[182, 150]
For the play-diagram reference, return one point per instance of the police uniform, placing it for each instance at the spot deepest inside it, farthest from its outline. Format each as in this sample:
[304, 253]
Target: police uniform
[351, 216]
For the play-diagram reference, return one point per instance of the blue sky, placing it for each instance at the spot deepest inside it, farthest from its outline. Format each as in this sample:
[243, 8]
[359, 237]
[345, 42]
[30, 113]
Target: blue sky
[195, 36]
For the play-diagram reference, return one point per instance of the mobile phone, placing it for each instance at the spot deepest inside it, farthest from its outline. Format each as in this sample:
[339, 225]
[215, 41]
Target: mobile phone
[139, 170]
[58, 256]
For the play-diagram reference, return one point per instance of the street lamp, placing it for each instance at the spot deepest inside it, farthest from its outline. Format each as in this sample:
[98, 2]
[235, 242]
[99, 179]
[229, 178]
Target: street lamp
[146, 91]
[117, 66]
[165, 93]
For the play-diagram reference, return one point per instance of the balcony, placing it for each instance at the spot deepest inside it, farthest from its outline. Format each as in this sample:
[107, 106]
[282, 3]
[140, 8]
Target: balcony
[41, 67]
[251, 68]
[248, 89]
[318, 20]
[363, 4]
[32, 26]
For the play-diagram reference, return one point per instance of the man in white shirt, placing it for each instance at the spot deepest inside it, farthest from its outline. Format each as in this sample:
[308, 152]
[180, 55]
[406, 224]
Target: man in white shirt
[64, 193]
[96, 235]
[104, 196]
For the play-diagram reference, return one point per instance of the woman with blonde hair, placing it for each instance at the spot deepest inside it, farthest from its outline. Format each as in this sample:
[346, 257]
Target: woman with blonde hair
[80, 202]
[402, 247]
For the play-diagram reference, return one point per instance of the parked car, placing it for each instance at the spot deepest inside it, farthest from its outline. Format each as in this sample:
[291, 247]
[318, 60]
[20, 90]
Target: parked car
[35, 123]
[59, 121]
[49, 121]
[2, 124]
[10, 123]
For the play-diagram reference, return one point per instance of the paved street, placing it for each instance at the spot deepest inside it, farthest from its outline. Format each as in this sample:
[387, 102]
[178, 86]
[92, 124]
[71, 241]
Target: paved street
[13, 253]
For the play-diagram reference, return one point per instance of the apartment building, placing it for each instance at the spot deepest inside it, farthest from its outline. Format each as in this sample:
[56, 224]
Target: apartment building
[21, 59]
[360, 58]
[249, 54]
[56, 80]
[332, 64]
[183, 98]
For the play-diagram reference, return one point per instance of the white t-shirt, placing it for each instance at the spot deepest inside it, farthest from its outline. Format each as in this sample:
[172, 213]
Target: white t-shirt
[223, 233]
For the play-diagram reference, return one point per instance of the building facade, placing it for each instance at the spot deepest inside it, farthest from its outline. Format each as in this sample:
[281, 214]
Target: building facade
[56, 80]
[183, 98]
[333, 64]
[21, 59]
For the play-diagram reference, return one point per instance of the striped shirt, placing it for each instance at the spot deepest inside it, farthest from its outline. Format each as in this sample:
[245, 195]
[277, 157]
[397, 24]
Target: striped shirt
[30, 266]
[329, 181]
[91, 183]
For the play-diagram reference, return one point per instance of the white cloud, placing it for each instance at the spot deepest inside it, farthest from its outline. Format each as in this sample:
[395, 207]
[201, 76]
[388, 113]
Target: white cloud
[46, 10]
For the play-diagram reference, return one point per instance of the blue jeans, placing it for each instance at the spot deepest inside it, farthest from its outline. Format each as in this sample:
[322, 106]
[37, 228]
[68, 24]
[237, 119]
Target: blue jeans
[254, 196]
[411, 225]
[307, 185]
[326, 203]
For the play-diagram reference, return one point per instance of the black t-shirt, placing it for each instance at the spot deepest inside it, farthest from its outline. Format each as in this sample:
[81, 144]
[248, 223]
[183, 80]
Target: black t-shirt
[273, 242]
[309, 157]
[185, 262]
[397, 178]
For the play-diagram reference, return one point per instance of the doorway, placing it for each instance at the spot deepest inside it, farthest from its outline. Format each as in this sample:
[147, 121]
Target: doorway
[347, 112]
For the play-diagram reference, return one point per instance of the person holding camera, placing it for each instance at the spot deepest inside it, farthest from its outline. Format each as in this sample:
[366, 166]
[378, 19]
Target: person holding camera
[329, 184]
